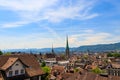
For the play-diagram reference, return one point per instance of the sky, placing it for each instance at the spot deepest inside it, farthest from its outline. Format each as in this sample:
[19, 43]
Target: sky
[41, 23]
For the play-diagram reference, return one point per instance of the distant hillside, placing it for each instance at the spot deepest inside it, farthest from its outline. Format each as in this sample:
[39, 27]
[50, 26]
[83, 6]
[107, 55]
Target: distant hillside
[93, 48]
[100, 47]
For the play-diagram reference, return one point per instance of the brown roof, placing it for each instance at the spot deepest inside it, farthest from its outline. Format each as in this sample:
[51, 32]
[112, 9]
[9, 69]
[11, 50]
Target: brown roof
[115, 65]
[102, 78]
[50, 55]
[74, 76]
[34, 71]
[60, 58]
[9, 62]
[65, 76]
[115, 78]
[87, 76]
[27, 59]
[58, 68]
[91, 76]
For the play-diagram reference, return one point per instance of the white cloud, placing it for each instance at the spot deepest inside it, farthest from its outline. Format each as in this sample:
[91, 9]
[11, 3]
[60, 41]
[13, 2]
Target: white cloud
[26, 5]
[92, 38]
[14, 24]
[33, 40]
[52, 10]
[37, 40]
[88, 31]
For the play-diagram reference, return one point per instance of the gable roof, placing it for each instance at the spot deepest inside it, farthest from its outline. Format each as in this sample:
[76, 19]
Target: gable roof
[9, 62]
[27, 59]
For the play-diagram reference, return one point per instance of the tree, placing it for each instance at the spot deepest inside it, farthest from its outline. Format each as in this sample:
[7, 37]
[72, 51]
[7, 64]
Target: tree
[97, 70]
[116, 55]
[43, 64]
[109, 55]
[1, 53]
[46, 69]
[113, 55]
[76, 70]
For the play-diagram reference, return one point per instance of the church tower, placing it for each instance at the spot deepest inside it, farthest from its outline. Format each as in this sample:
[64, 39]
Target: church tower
[67, 48]
[53, 50]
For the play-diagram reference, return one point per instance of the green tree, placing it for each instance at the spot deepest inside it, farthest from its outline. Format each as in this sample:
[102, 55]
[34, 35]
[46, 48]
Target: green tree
[1, 53]
[85, 56]
[46, 69]
[113, 55]
[109, 55]
[76, 69]
[43, 64]
[116, 55]
[97, 70]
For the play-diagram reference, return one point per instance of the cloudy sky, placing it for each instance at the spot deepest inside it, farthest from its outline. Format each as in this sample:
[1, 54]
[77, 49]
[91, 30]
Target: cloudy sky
[41, 23]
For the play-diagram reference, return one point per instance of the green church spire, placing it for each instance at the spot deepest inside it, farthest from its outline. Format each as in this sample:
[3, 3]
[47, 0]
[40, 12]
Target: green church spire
[67, 44]
[67, 48]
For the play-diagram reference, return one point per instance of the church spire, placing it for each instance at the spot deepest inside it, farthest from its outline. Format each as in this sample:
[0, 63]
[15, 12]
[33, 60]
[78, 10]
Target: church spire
[52, 49]
[67, 48]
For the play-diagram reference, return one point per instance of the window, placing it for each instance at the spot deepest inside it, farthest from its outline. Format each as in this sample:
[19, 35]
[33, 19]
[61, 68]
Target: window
[16, 64]
[22, 71]
[16, 72]
[10, 73]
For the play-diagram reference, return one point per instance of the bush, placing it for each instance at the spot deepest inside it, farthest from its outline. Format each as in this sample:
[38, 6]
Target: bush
[97, 70]
[46, 69]
[76, 69]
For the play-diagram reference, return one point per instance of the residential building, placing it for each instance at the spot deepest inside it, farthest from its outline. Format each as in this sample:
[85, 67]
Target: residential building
[20, 67]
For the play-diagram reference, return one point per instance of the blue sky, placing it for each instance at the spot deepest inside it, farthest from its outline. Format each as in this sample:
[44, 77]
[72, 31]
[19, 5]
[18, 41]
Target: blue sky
[41, 23]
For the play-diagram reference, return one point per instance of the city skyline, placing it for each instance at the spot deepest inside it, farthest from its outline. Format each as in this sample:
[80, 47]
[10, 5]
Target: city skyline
[41, 23]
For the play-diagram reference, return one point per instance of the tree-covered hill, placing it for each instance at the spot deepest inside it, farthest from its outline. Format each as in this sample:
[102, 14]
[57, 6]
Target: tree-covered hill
[92, 48]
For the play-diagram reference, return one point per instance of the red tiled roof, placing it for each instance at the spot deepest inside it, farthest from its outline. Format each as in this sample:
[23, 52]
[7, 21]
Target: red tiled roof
[87, 76]
[9, 62]
[27, 59]
[115, 78]
[59, 68]
[34, 72]
[50, 55]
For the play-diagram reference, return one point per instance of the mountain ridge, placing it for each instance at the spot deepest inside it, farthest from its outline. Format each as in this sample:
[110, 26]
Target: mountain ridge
[93, 48]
